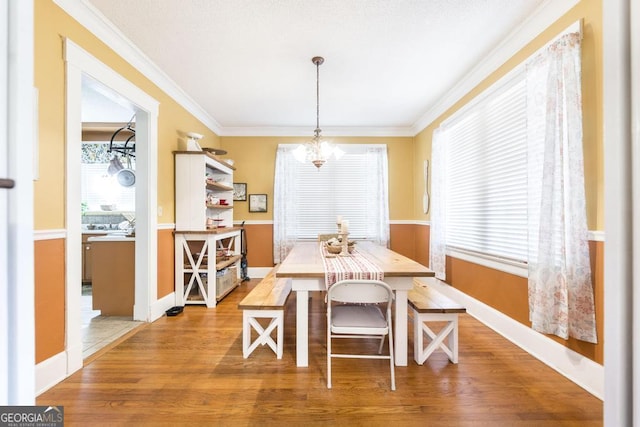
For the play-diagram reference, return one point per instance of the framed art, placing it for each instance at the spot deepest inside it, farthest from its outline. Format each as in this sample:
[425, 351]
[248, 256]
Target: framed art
[257, 202]
[240, 191]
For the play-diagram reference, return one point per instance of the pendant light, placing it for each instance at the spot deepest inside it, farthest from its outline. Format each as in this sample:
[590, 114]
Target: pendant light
[318, 150]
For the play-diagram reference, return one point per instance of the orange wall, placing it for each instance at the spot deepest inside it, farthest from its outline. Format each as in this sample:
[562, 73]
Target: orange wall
[259, 239]
[49, 297]
[402, 239]
[166, 263]
[422, 246]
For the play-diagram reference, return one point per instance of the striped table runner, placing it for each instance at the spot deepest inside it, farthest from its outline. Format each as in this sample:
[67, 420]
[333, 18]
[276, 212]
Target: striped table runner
[354, 266]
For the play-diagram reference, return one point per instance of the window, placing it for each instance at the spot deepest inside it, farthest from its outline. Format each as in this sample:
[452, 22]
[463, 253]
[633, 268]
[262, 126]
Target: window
[307, 201]
[486, 180]
[488, 205]
[97, 186]
[489, 148]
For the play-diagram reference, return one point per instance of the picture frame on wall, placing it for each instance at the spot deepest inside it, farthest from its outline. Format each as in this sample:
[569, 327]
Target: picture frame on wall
[240, 191]
[257, 202]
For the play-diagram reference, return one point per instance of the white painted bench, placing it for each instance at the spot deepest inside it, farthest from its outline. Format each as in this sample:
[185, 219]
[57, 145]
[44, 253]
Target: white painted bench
[265, 301]
[429, 305]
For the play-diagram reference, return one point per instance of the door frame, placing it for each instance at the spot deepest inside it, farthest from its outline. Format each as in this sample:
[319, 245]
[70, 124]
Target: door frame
[621, 114]
[78, 63]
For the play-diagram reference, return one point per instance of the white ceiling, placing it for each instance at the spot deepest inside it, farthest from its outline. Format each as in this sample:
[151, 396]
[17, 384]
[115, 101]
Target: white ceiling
[247, 63]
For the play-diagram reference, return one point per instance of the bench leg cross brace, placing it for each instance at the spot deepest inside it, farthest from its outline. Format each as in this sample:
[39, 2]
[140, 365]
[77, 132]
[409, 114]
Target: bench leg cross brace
[249, 321]
[420, 328]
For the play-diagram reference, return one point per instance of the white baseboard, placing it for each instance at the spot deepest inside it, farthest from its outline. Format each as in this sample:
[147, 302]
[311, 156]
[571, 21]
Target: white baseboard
[160, 306]
[581, 370]
[258, 272]
[75, 358]
[50, 372]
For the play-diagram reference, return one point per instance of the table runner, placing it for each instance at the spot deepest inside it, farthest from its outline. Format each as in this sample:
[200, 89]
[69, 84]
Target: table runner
[355, 266]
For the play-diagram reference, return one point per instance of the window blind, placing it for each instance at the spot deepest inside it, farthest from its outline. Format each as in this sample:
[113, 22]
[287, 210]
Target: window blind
[340, 187]
[486, 163]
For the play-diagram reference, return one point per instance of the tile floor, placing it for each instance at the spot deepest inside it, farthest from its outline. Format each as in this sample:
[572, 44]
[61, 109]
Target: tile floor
[99, 331]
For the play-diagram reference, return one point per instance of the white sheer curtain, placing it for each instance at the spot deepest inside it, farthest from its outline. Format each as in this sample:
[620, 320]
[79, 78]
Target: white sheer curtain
[560, 287]
[437, 236]
[378, 184]
[284, 194]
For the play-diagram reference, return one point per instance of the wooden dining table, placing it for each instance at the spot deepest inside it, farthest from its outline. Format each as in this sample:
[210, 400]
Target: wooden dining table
[305, 266]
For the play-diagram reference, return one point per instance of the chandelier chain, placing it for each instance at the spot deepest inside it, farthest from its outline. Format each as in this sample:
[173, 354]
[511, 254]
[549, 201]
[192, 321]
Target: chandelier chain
[318, 96]
[317, 60]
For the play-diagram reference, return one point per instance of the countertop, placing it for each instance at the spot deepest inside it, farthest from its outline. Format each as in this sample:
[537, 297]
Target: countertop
[101, 231]
[113, 237]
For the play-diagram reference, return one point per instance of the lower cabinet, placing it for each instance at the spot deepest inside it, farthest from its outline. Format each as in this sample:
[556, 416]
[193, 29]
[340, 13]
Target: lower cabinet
[206, 265]
[87, 271]
[113, 281]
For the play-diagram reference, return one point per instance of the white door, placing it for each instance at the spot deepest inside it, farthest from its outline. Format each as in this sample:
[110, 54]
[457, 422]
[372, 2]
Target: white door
[17, 330]
[4, 191]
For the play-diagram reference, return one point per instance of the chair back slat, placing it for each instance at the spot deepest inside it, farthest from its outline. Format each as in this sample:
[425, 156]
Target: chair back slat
[360, 291]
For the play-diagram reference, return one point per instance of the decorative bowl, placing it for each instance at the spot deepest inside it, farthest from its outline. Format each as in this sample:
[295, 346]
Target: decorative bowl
[338, 249]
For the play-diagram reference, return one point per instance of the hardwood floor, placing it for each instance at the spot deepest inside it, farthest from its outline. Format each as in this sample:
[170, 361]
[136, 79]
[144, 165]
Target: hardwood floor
[189, 370]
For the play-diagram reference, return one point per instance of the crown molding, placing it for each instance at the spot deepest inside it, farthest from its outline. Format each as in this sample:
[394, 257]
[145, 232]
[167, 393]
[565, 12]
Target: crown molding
[307, 131]
[91, 18]
[546, 14]
[96, 23]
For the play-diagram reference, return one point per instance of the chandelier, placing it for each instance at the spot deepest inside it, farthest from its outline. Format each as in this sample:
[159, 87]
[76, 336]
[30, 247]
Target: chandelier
[318, 150]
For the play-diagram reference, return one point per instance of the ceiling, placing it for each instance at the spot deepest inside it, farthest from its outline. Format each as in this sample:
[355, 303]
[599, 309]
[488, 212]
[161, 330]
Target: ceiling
[247, 63]
[101, 104]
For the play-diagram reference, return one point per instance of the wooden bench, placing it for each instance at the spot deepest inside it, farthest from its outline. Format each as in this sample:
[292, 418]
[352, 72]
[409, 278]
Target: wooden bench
[265, 301]
[429, 305]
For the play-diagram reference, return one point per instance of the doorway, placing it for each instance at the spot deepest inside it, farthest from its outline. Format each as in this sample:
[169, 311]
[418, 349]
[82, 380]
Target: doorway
[80, 64]
[108, 215]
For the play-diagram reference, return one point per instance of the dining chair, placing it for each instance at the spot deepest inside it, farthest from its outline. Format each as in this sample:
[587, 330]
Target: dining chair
[360, 309]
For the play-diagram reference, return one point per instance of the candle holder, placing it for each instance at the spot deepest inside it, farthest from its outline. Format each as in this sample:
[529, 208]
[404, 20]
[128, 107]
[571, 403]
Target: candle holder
[345, 243]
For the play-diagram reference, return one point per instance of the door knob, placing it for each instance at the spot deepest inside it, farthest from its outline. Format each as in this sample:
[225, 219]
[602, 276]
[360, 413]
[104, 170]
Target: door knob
[7, 183]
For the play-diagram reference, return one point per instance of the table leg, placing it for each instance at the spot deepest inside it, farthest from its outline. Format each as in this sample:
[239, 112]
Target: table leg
[401, 320]
[302, 328]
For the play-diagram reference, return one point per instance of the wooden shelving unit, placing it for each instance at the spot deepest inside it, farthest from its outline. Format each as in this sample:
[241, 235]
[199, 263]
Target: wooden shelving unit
[200, 177]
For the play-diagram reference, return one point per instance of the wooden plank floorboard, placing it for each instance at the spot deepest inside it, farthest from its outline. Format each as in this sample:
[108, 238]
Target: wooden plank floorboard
[189, 370]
